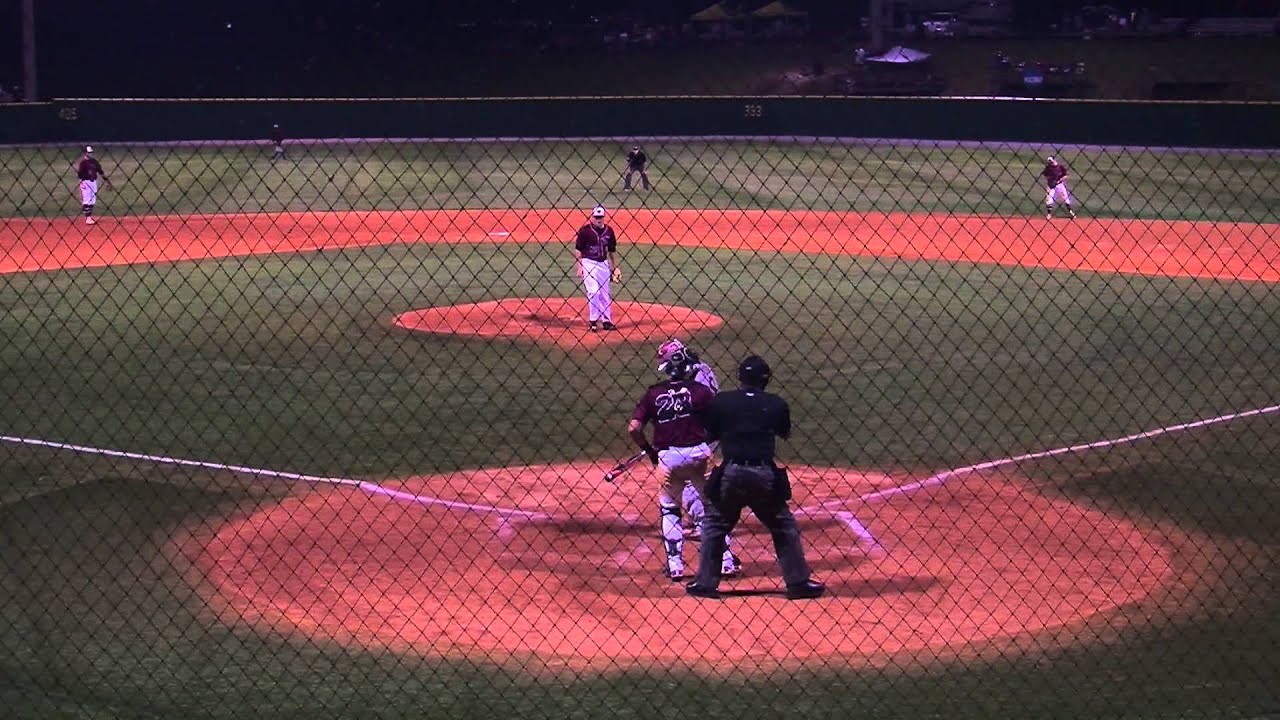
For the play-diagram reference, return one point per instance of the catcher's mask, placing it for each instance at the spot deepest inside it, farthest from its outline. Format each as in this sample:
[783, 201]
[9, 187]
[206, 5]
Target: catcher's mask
[673, 360]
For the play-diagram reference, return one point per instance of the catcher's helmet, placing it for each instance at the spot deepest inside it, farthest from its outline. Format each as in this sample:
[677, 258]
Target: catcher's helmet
[754, 371]
[673, 359]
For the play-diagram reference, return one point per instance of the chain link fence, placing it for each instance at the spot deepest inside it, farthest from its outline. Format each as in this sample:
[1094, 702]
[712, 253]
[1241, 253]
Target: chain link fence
[321, 429]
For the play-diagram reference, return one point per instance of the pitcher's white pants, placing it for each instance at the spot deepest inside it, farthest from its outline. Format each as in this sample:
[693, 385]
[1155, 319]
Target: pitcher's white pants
[595, 279]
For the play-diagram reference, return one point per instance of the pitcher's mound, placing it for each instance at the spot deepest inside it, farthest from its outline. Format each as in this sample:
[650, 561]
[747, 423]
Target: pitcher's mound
[562, 321]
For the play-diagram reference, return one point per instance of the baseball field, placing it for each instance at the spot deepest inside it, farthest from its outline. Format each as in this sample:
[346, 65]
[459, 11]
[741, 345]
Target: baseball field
[325, 437]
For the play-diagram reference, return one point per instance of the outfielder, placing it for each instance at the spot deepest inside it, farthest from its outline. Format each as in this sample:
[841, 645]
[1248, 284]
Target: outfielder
[595, 251]
[1055, 177]
[674, 407]
[88, 171]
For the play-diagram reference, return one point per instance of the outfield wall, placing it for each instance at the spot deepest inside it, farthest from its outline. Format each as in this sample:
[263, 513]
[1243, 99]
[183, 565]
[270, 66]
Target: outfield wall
[1163, 124]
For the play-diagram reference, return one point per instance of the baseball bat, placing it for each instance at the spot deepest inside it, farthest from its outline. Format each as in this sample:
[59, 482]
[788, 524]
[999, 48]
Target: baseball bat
[623, 466]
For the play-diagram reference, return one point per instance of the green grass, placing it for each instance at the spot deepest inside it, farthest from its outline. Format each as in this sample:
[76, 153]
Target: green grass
[919, 178]
[289, 363]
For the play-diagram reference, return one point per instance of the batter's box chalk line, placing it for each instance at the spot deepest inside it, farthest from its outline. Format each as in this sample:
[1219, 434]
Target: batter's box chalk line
[505, 516]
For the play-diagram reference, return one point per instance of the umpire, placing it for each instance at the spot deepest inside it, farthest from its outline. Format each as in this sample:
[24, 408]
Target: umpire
[746, 421]
[637, 162]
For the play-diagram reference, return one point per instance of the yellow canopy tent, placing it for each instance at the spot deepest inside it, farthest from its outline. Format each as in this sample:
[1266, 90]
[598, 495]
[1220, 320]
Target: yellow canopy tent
[715, 13]
[778, 9]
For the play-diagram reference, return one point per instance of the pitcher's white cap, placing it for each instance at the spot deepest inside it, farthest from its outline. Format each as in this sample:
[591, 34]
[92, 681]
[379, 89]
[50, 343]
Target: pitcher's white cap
[598, 211]
[88, 148]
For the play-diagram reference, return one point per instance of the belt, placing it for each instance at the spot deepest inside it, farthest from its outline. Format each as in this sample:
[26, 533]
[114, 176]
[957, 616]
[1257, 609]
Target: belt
[750, 463]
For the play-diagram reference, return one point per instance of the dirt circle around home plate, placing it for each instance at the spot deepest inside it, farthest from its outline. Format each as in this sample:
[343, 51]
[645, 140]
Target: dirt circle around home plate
[547, 569]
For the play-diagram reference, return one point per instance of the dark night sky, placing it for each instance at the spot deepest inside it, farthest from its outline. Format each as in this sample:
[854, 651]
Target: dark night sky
[135, 37]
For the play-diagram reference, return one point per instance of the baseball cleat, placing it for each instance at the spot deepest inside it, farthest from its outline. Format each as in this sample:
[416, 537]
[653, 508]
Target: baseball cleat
[90, 221]
[675, 574]
[609, 326]
[591, 326]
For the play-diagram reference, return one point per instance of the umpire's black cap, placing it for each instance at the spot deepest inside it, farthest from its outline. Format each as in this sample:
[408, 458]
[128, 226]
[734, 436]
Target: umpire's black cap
[754, 372]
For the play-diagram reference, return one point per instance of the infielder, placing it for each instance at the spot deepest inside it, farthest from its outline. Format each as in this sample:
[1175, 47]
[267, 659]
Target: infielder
[88, 171]
[595, 251]
[674, 408]
[1055, 177]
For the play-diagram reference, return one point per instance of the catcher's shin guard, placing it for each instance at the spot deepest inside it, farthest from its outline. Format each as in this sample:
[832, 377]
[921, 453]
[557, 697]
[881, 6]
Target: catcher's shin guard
[673, 539]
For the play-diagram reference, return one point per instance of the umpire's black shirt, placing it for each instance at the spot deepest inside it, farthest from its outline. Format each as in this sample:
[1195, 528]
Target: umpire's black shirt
[745, 422]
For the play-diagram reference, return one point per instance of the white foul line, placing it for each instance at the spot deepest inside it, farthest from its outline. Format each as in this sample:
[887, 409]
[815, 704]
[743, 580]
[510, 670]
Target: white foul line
[864, 535]
[376, 489]
[948, 474]
[369, 487]
[164, 460]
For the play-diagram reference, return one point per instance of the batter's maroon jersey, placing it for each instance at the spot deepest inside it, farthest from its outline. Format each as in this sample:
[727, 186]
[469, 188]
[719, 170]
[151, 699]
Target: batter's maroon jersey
[89, 169]
[596, 244]
[675, 408]
[1054, 173]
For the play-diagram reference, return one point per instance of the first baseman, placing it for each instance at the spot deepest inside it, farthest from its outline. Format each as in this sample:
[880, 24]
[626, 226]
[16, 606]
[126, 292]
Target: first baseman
[595, 251]
[674, 407]
[1055, 178]
[88, 170]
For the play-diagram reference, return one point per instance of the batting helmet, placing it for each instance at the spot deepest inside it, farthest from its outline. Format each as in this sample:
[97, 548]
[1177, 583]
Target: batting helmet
[754, 372]
[673, 359]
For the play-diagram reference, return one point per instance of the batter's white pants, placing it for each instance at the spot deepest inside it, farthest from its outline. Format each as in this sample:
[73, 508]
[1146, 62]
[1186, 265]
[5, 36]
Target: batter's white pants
[685, 471]
[1057, 194]
[88, 192]
[595, 279]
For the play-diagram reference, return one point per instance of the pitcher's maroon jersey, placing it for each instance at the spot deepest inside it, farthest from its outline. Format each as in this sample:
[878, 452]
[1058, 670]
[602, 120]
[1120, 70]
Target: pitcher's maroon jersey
[675, 408]
[596, 244]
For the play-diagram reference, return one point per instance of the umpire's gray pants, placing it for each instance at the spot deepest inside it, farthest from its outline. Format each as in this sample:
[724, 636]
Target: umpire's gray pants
[751, 487]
